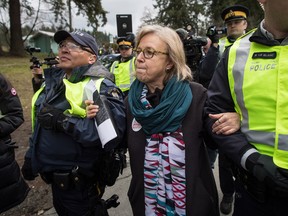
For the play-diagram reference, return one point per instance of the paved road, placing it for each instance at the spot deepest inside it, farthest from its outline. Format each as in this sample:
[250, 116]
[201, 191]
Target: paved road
[121, 188]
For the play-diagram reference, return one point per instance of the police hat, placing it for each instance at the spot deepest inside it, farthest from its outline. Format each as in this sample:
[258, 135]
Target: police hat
[82, 38]
[123, 42]
[235, 12]
[127, 41]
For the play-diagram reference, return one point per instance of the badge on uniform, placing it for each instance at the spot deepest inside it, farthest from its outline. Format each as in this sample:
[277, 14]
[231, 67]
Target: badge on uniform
[115, 93]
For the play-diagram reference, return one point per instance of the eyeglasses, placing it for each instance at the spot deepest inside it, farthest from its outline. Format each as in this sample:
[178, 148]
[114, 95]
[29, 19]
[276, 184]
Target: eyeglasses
[73, 47]
[148, 52]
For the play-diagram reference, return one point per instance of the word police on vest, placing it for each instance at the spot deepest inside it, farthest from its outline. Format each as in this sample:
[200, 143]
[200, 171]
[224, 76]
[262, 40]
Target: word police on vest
[262, 67]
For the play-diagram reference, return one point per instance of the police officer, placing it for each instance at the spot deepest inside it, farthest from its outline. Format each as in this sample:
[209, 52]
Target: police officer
[65, 148]
[235, 19]
[124, 66]
[13, 188]
[251, 78]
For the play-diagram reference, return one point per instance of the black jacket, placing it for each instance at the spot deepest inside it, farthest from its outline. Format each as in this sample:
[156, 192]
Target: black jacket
[208, 65]
[12, 184]
[201, 191]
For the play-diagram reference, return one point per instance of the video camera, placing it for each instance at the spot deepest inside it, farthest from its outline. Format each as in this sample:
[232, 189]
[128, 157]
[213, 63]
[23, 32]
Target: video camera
[193, 50]
[193, 47]
[36, 63]
[213, 30]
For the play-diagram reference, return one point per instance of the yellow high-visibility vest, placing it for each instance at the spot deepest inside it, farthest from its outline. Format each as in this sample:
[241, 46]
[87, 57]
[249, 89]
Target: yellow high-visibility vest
[124, 73]
[75, 95]
[223, 44]
[258, 83]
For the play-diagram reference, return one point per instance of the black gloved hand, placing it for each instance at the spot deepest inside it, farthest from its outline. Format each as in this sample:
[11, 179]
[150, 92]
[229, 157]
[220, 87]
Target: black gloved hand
[212, 34]
[27, 170]
[266, 170]
[51, 118]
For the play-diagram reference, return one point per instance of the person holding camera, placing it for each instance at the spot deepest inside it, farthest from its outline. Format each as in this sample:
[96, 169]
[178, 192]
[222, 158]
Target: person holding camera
[13, 188]
[235, 19]
[37, 71]
[251, 78]
[124, 66]
[65, 146]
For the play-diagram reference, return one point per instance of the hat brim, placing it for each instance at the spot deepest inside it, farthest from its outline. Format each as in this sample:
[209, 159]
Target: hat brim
[125, 46]
[234, 19]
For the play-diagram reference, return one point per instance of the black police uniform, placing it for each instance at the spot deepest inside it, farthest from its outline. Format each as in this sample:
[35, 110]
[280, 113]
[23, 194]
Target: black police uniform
[207, 68]
[69, 157]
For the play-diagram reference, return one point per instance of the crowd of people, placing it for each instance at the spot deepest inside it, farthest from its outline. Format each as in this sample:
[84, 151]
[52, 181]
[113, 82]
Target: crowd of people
[84, 116]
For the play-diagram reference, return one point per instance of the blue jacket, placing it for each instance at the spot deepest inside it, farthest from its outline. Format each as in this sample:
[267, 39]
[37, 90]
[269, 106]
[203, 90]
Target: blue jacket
[79, 145]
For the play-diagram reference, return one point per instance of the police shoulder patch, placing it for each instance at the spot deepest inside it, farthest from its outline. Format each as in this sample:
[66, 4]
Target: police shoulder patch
[115, 93]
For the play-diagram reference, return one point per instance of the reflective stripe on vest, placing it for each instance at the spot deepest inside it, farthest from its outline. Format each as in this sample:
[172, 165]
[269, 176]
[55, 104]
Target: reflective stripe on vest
[223, 44]
[33, 111]
[259, 89]
[75, 94]
[124, 73]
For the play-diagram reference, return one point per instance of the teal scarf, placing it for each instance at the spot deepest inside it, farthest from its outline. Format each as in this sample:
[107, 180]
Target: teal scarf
[168, 115]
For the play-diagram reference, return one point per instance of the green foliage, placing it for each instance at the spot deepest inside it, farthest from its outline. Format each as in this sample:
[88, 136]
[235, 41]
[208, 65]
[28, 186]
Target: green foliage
[101, 38]
[181, 13]
[93, 9]
[200, 14]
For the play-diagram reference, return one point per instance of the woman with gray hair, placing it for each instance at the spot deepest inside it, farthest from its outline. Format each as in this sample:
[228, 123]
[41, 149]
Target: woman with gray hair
[171, 173]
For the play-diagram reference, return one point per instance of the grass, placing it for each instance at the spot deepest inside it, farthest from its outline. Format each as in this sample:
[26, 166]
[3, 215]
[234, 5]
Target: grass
[17, 70]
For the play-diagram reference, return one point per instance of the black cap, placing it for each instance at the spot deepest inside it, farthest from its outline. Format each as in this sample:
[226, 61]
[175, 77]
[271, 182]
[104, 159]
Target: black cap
[80, 37]
[235, 12]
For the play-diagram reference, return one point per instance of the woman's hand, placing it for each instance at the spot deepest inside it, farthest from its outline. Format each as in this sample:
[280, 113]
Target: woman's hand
[91, 108]
[226, 123]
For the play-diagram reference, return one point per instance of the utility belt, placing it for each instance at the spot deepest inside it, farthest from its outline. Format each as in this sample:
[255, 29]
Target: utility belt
[259, 190]
[68, 179]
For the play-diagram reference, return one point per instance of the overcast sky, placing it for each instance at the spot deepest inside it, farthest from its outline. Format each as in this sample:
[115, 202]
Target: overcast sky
[134, 7]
